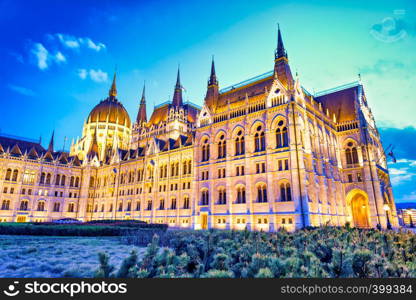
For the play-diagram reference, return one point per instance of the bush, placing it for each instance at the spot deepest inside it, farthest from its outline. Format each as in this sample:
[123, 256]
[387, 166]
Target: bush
[51, 229]
[310, 252]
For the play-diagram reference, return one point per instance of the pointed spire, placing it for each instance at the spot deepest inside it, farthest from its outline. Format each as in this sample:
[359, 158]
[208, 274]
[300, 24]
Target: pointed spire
[213, 77]
[94, 146]
[113, 90]
[50, 147]
[177, 96]
[281, 64]
[141, 115]
[280, 51]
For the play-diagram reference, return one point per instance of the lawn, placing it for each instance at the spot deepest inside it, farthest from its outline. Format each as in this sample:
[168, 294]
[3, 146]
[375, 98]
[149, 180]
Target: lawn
[46, 256]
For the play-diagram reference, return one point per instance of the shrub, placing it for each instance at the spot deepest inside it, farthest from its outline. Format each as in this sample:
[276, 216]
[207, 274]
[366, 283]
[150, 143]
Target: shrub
[310, 252]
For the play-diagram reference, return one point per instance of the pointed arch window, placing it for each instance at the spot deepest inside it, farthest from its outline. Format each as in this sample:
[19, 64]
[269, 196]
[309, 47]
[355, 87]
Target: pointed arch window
[15, 173]
[262, 193]
[8, 174]
[41, 205]
[241, 195]
[239, 144]
[186, 202]
[42, 178]
[351, 154]
[259, 140]
[48, 178]
[205, 150]
[204, 197]
[285, 192]
[222, 147]
[57, 179]
[173, 203]
[24, 205]
[222, 196]
[281, 135]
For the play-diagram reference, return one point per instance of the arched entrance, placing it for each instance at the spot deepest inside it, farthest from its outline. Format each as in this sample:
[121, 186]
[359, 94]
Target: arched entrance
[358, 201]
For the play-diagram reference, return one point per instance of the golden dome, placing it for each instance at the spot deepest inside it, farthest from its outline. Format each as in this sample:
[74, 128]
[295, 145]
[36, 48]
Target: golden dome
[109, 110]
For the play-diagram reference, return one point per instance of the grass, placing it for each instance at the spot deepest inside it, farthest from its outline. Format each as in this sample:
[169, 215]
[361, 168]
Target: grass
[51, 257]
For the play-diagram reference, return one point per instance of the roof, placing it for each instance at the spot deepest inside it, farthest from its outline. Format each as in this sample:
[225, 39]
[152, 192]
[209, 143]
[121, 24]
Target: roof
[24, 145]
[110, 109]
[340, 101]
[34, 150]
[160, 114]
[247, 88]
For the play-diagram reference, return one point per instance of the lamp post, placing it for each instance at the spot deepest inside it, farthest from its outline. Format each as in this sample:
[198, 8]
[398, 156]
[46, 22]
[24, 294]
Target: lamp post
[386, 208]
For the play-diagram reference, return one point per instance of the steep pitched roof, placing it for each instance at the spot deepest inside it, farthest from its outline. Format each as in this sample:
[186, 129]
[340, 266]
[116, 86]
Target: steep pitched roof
[24, 145]
[341, 102]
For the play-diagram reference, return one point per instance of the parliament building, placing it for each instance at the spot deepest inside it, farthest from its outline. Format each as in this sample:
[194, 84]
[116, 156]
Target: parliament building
[263, 154]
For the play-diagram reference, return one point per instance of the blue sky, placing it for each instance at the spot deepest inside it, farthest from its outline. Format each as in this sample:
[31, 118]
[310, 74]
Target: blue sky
[57, 58]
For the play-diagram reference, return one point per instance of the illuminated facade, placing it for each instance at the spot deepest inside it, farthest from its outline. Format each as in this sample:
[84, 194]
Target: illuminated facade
[263, 154]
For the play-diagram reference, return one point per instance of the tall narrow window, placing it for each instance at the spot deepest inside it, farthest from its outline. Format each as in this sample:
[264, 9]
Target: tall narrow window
[261, 193]
[259, 140]
[14, 178]
[9, 174]
[281, 135]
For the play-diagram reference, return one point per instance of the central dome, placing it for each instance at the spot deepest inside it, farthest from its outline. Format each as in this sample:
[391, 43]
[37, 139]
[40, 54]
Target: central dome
[110, 110]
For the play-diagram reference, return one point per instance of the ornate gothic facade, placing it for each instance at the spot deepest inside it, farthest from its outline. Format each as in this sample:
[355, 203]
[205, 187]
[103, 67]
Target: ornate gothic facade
[262, 154]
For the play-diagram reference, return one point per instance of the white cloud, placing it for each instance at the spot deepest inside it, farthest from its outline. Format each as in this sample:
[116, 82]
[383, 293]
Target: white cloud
[22, 90]
[68, 41]
[82, 73]
[97, 47]
[72, 42]
[94, 75]
[59, 57]
[394, 171]
[41, 55]
[98, 75]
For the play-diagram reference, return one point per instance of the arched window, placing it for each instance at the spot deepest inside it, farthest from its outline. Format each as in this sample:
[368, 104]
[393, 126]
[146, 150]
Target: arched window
[41, 205]
[92, 179]
[8, 174]
[239, 143]
[29, 177]
[149, 205]
[15, 173]
[71, 207]
[58, 179]
[48, 178]
[162, 204]
[24, 205]
[138, 205]
[77, 182]
[42, 178]
[5, 205]
[281, 135]
[241, 195]
[222, 196]
[128, 206]
[259, 140]
[351, 154]
[120, 206]
[222, 147]
[285, 192]
[56, 206]
[63, 179]
[177, 169]
[186, 202]
[205, 150]
[204, 197]
[71, 181]
[261, 193]
[173, 203]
